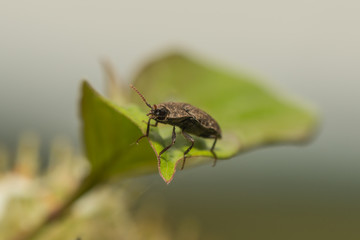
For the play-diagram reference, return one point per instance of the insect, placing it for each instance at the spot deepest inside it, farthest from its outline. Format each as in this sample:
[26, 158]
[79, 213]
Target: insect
[190, 119]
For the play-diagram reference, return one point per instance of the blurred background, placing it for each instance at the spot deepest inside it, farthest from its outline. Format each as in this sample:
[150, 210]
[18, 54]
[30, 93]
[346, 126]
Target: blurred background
[309, 48]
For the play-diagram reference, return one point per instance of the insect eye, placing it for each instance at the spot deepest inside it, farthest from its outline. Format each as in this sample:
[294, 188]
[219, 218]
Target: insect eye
[160, 113]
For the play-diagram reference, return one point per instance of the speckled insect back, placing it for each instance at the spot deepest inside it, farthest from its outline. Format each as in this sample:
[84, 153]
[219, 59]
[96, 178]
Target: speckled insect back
[188, 118]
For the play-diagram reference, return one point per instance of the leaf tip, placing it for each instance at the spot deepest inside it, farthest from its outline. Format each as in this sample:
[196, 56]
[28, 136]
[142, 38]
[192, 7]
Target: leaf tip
[85, 84]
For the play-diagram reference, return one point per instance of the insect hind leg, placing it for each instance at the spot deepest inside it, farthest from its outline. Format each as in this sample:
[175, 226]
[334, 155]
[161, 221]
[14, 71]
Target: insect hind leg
[213, 153]
[190, 139]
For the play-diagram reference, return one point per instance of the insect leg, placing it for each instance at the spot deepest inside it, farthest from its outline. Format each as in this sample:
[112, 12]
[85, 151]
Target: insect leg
[147, 132]
[213, 153]
[154, 125]
[190, 139]
[172, 142]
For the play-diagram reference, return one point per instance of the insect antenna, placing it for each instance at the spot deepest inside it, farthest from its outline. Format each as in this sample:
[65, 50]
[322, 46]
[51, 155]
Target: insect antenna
[142, 97]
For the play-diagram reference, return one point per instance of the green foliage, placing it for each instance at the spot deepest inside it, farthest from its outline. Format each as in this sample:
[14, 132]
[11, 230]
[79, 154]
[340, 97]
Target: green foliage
[249, 114]
[109, 135]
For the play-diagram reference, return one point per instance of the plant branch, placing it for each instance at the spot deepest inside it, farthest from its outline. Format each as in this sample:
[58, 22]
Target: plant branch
[58, 213]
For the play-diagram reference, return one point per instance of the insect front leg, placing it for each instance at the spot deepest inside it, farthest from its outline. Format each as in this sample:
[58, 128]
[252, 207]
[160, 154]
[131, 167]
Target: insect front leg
[147, 131]
[173, 139]
[213, 153]
[190, 139]
[154, 125]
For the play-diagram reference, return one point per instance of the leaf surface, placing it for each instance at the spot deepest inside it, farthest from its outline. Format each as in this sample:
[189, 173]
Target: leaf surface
[249, 114]
[110, 133]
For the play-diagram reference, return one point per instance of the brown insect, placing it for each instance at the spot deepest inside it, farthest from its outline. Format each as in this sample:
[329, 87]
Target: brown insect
[188, 118]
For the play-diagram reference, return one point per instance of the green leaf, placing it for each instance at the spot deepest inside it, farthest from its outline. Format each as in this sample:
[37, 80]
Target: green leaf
[249, 114]
[110, 133]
